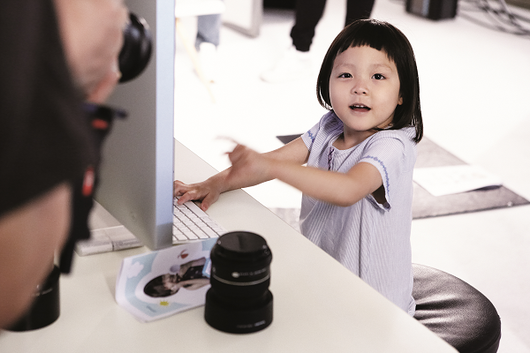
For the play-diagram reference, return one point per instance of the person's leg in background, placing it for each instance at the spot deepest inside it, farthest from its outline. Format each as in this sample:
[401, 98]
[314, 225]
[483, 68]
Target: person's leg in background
[358, 9]
[296, 63]
[307, 15]
[206, 43]
[208, 27]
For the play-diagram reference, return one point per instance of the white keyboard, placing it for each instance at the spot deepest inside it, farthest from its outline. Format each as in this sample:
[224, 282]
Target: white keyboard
[192, 223]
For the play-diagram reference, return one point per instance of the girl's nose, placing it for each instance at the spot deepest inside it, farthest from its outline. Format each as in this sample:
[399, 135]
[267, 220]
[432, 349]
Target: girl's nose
[359, 87]
[360, 90]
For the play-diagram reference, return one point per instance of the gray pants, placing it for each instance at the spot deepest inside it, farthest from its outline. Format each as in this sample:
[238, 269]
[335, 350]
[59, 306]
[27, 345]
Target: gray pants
[208, 27]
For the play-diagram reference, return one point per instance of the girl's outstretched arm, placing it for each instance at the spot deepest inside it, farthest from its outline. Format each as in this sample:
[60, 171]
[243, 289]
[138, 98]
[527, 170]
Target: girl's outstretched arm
[232, 178]
[341, 189]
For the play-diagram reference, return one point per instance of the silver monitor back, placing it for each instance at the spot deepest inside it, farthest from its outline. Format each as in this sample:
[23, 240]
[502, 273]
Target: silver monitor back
[136, 184]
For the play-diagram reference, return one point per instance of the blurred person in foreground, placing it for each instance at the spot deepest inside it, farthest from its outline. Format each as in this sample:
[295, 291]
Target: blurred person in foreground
[56, 54]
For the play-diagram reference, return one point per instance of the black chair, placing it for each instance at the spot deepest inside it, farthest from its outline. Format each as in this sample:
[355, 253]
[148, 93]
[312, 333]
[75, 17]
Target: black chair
[455, 311]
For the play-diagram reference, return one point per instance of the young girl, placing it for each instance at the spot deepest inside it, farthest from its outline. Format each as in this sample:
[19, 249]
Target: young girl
[357, 185]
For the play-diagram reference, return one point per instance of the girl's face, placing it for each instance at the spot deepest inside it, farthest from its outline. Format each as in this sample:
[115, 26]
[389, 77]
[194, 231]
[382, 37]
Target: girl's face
[364, 91]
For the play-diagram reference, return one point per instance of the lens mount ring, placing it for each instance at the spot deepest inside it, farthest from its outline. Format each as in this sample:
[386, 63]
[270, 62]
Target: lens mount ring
[241, 284]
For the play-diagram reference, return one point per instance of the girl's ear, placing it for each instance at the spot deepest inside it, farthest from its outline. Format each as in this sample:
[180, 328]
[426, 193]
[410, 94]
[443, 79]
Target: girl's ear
[400, 101]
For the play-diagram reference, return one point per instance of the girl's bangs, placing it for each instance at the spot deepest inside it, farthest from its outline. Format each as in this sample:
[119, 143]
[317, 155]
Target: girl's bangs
[373, 36]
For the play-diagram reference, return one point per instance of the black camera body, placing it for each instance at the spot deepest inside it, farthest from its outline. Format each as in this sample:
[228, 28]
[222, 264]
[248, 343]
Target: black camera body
[136, 49]
[239, 300]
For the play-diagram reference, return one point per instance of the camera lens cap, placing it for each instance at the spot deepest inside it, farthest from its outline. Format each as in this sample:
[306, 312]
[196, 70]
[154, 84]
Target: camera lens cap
[242, 245]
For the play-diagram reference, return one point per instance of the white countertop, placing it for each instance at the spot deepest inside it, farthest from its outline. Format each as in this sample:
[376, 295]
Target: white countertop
[319, 306]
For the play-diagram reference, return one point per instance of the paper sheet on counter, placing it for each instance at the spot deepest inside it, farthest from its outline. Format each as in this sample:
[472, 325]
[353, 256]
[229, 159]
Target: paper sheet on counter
[161, 283]
[454, 179]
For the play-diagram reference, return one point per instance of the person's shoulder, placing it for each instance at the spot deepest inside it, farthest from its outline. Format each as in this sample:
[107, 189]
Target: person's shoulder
[406, 135]
[330, 121]
[399, 141]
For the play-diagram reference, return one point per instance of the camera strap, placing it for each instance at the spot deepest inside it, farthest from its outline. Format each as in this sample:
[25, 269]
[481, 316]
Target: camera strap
[101, 118]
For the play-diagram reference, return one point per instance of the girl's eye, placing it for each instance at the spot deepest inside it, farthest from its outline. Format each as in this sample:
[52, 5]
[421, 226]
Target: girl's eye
[345, 75]
[378, 77]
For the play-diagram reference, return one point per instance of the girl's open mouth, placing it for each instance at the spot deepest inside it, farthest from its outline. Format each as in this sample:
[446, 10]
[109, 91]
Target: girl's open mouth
[360, 107]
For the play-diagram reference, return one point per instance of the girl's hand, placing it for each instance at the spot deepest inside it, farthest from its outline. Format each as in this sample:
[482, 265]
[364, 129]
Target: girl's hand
[247, 163]
[207, 192]
[248, 168]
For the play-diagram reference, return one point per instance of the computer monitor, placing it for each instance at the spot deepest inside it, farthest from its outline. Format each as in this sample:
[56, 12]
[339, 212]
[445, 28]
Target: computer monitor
[136, 176]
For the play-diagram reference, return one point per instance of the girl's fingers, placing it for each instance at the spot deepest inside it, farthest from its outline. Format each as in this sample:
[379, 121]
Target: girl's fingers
[178, 186]
[185, 197]
[208, 201]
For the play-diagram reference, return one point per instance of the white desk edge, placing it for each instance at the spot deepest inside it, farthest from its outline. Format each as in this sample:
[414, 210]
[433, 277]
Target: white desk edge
[319, 306]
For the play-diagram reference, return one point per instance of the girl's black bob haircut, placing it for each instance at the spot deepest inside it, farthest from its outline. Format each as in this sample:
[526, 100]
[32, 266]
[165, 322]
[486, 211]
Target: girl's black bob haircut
[387, 38]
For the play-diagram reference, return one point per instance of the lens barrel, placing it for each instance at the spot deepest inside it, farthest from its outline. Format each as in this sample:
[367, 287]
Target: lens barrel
[239, 300]
[45, 308]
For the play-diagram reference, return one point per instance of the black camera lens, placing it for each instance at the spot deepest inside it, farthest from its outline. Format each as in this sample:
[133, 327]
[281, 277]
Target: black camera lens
[239, 300]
